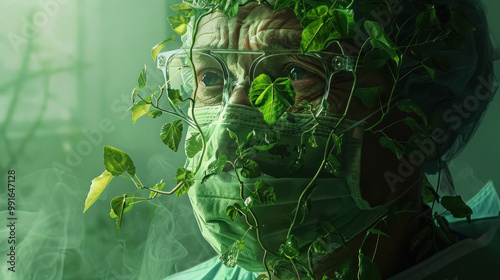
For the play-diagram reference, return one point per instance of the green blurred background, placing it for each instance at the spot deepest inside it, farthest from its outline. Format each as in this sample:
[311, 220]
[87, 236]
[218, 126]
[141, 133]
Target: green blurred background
[67, 71]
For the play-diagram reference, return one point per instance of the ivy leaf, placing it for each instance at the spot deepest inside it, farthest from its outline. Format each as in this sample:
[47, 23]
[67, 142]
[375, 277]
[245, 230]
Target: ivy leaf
[118, 205]
[368, 270]
[154, 113]
[429, 70]
[369, 96]
[142, 78]
[232, 211]
[186, 177]
[460, 24]
[228, 7]
[174, 96]
[250, 169]
[312, 141]
[140, 108]
[322, 26]
[272, 98]
[333, 165]
[427, 19]
[230, 257]
[333, 233]
[409, 106]
[457, 207]
[320, 246]
[392, 145]
[283, 4]
[215, 168]
[290, 249]
[171, 134]
[194, 145]
[97, 187]
[179, 23]
[158, 47]
[346, 270]
[380, 40]
[412, 124]
[264, 193]
[134, 93]
[183, 9]
[117, 162]
[375, 59]
[159, 186]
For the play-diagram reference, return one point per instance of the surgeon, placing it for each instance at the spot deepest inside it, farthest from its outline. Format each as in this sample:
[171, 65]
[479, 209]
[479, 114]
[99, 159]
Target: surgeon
[320, 122]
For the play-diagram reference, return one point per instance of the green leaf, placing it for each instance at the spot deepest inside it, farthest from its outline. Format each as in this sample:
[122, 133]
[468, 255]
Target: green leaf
[283, 4]
[321, 28]
[320, 246]
[380, 40]
[183, 9]
[369, 96]
[158, 47]
[179, 23]
[264, 193]
[346, 270]
[97, 187]
[228, 7]
[174, 96]
[154, 113]
[230, 257]
[312, 141]
[378, 232]
[392, 145]
[118, 205]
[333, 165]
[117, 162]
[194, 145]
[171, 134]
[134, 93]
[290, 249]
[159, 186]
[368, 270]
[460, 23]
[232, 211]
[186, 177]
[430, 70]
[375, 59]
[417, 239]
[333, 233]
[233, 136]
[140, 108]
[427, 19]
[250, 169]
[412, 124]
[457, 207]
[409, 106]
[142, 78]
[272, 98]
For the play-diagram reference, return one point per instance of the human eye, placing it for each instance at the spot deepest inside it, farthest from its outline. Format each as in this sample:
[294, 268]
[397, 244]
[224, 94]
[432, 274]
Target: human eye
[210, 77]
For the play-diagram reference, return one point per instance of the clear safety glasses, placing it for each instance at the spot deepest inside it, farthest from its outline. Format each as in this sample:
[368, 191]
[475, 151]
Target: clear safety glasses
[219, 71]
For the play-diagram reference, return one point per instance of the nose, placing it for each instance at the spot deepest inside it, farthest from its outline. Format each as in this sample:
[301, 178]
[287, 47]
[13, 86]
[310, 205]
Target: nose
[239, 96]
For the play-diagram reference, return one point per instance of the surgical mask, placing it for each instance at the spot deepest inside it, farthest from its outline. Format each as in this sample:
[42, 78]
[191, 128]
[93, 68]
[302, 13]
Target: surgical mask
[335, 199]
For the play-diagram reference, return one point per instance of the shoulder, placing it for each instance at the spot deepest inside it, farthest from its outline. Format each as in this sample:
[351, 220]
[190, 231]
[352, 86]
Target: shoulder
[213, 269]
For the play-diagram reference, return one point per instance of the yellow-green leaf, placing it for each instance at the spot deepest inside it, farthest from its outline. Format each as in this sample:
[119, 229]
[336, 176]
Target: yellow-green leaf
[156, 49]
[97, 187]
[140, 108]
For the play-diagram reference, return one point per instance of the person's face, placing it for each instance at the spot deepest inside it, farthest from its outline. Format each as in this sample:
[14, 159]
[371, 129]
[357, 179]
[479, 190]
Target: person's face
[257, 27]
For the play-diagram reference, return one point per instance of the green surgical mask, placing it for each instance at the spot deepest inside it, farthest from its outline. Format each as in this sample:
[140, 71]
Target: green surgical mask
[335, 199]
